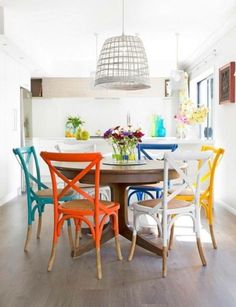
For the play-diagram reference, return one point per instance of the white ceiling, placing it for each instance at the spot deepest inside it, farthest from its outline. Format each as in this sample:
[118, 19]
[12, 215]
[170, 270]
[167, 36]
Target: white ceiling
[58, 35]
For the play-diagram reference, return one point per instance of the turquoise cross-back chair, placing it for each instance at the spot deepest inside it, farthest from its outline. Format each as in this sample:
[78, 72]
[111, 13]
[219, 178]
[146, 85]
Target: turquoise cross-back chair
[38, 194]
[153, 191]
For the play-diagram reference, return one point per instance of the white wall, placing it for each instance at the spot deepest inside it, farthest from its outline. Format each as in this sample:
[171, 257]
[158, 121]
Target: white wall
[224, 118]
[49, 115]
[12, 76]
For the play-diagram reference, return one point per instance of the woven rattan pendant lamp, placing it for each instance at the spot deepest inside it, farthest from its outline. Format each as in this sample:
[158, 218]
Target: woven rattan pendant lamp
[122, 63]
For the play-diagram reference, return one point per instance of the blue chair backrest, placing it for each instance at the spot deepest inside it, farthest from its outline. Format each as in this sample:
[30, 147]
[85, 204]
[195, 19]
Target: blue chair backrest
[143, 147]
[24, 156]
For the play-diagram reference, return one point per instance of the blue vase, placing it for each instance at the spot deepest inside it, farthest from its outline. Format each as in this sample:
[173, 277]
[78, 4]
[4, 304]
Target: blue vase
[161, 130]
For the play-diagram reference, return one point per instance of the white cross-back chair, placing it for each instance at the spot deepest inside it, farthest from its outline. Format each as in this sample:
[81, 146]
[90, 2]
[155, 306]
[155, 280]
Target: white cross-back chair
[169, 208]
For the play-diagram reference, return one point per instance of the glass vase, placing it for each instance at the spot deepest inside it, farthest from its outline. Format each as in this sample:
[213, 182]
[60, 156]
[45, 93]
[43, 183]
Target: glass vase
[182, 131]
[122, 154]
[132, 153]
[69, 131]
[161, 131]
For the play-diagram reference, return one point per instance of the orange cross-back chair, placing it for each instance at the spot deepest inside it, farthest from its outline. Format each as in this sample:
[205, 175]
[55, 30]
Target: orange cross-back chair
[207, 195]
[81, 209]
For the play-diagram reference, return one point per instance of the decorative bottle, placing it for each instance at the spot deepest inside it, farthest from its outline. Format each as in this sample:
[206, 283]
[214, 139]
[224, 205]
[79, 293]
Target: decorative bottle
[161, 130]
[153, 126]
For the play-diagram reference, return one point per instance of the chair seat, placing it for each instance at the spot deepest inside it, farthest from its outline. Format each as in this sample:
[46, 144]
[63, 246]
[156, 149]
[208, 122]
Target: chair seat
[84, 205]
[173, 204]
[49, 193]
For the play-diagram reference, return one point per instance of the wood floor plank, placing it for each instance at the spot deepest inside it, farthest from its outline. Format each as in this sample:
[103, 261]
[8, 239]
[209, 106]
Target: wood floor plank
[24, 280]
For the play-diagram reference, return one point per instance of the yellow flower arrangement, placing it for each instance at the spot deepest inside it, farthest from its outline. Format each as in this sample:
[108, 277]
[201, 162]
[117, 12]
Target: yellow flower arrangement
[191, 115]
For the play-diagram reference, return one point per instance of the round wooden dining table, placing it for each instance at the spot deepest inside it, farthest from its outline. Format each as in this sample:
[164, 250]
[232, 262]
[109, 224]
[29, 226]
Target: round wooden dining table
[119, 178]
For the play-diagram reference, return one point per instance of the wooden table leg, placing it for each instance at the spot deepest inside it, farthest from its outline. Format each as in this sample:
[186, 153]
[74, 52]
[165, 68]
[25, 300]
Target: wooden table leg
[119, 194]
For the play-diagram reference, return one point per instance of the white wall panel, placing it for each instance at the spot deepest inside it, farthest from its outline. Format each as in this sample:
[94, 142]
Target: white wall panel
[9, 126]
[224, 118]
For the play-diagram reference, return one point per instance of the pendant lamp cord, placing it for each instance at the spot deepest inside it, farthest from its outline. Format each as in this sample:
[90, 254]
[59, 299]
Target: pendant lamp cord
[177, 49]
[123, 17]
[96, 42]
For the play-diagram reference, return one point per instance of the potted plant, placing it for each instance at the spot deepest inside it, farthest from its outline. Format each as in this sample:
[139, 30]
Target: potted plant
[72, 124]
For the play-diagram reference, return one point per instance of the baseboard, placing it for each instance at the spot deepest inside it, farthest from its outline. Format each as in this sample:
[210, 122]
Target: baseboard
[7, 198]
[226, 206]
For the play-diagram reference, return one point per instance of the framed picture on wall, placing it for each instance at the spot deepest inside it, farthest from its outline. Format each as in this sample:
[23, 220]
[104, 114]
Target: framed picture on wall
[227, 83]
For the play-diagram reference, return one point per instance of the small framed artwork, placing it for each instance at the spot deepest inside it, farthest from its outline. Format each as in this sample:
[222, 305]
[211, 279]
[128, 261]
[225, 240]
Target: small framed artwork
[227, 83]
[167, 88]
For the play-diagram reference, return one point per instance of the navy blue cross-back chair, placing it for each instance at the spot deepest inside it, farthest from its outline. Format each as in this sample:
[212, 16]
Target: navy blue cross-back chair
[153, 191]
[38, 194]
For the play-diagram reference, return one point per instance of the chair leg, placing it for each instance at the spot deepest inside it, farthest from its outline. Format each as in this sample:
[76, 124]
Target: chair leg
[39, 226]
[118, 250]
[28, 237]
[132, 249]
[158, 230]
[77, 239]
[164, 261]
[116, 231]
[200, 250]
[70, 236]
[213, 237]
[171, 239]
[99, 265]
[52, 256]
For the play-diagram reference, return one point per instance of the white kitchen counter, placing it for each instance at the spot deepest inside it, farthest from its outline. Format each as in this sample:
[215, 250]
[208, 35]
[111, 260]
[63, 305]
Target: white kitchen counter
[100, 140]
[168, 140]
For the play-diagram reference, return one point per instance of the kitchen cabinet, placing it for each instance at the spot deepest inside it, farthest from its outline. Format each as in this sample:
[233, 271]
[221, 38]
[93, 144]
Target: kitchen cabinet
[84, 87]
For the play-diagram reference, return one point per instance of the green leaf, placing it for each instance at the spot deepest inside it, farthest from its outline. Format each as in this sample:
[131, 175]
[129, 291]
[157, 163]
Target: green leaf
[75, 121]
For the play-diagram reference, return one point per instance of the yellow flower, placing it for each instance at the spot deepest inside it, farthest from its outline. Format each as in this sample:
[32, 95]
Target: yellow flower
[194, 115]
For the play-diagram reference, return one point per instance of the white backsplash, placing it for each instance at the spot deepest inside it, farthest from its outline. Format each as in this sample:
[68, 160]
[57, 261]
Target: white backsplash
[49, 115]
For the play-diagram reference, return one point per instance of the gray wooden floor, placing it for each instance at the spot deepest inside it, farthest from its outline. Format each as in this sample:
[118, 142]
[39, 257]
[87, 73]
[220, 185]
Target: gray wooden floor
[24, 280]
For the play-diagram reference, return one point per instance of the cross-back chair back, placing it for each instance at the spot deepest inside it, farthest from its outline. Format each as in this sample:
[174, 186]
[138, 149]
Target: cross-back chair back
[27, 159]
[81, 148]
[80, 209]
[173, 160]
[90, 160]
[144, 149]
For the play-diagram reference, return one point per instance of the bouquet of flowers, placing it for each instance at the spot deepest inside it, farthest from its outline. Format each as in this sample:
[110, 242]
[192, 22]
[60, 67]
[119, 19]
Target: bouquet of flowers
[123, 141]
[189, 115]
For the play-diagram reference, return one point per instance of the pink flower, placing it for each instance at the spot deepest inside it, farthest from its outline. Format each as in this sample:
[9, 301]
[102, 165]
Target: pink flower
[182, 118]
